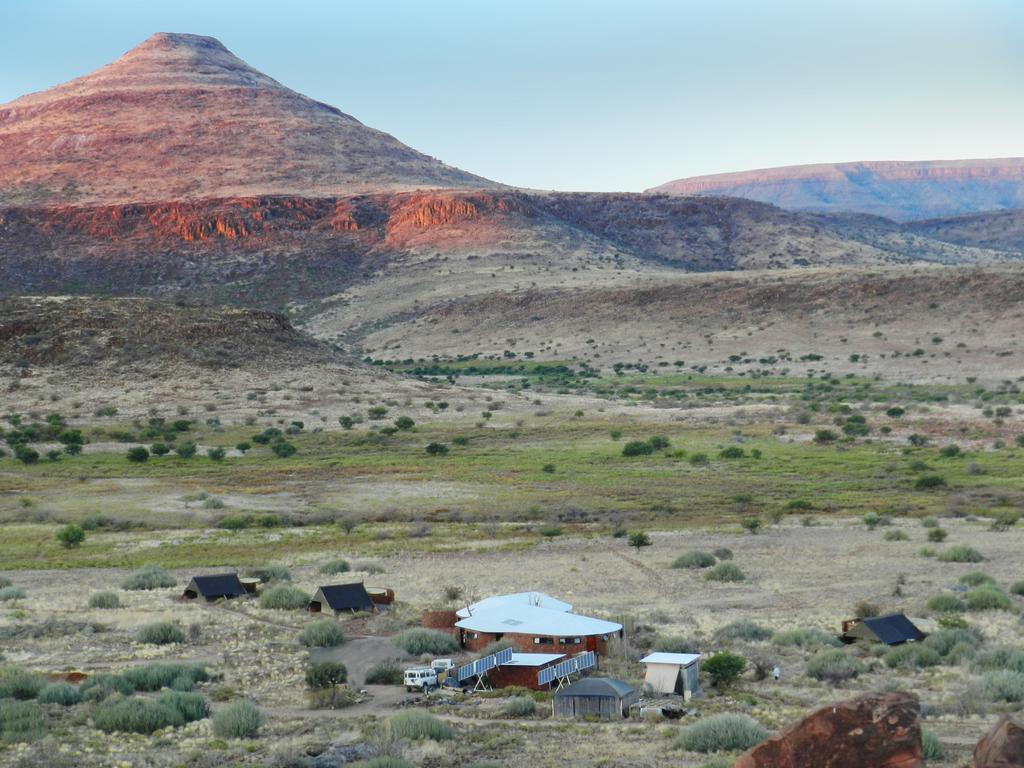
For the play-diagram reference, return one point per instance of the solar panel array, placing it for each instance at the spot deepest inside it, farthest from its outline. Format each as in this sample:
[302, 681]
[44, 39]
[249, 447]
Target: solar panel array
[569, 666]
[480, 666]
[546, 675]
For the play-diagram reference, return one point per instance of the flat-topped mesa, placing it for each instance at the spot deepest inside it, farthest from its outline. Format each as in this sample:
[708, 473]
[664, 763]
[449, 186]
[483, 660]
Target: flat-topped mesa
[180, 117]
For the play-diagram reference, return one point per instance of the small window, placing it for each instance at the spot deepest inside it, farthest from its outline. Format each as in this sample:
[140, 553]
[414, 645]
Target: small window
[543, 641]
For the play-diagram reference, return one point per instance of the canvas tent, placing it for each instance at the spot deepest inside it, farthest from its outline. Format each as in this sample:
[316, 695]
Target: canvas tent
[894, 629]
[342, 597]
[677, 673]
[594, 697]
[215, 587]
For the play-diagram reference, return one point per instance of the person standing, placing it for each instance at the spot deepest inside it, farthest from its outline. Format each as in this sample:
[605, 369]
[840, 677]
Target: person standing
[776, 673]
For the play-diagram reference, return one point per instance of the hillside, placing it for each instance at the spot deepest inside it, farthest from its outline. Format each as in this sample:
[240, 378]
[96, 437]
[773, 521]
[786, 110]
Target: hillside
[180, 117]
[897, 190]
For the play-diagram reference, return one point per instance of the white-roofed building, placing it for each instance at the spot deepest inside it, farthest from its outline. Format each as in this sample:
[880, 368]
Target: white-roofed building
[677, 673]
[522, 670]
[531, 628]
[536, 599]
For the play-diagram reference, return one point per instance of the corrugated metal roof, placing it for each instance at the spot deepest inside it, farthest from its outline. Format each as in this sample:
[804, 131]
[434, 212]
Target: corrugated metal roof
[528, 620]
[597, 686]
[536, 599]
[660, 657]
[533, 659]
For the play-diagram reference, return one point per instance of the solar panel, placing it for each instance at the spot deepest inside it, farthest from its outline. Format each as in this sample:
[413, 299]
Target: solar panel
[586, 661]
[503, 656]
[546, 675]
[565, 668]
[465, 671]
[480, 666]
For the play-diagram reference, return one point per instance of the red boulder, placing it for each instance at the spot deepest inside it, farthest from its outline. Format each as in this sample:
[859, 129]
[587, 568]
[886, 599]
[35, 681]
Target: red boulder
[1002, 746]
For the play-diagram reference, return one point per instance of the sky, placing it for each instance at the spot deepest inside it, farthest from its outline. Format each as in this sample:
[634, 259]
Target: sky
[598, 95]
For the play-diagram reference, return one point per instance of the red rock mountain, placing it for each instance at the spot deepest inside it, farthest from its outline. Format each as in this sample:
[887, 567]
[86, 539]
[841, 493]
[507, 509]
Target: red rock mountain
[180, 117]
[898, 190]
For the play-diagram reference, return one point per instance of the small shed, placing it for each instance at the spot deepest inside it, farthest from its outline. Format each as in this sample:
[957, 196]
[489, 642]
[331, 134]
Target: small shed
[595, 697]
[220, 586]
[342, 597]
[894, 629]
[677, 673]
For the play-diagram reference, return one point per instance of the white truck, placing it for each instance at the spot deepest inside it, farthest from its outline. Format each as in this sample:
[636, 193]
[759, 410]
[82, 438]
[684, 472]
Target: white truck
[420, 679]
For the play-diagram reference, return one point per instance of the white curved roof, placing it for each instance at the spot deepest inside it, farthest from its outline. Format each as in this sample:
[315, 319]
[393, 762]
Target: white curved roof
[538, 599]
[530, 620]
[660, 657]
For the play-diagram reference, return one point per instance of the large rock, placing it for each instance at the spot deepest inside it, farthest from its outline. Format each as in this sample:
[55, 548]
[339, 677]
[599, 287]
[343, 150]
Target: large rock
[872, 731]
[1002, 746]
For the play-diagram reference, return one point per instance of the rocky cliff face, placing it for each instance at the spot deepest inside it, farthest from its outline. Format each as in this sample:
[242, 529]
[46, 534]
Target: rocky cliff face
[897, 190]
[180, 117]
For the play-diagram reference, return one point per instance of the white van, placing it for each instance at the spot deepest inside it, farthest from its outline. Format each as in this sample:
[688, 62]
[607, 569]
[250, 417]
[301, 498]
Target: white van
[420, 679]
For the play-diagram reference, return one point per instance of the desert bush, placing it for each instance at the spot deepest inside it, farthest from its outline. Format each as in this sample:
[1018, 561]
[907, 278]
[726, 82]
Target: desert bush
[138, 454]
[931, 747]
[744, 629]
[273, 572]
[988, 598]
[386, 761]
[930, 522]
[322, 634]
[945, 641]
[20, 683]
[334, 566]
[520, 706]
[326, 674]
[102, 686]
[937, 535]
[725, 572]
[722, 733]
[912, 656]
[149, 577]
[387, 672]
[70, 536]
[284, 597]
[676, 644]
[105, 600]
[722, 553]
[1004, 685]
[833, 665]
[190, 706]
[637, 448]
[976, 579]
[694, 559]
[896, 535]
[160, 633]
[11, 593]
[417, 642]
[928, 482]
[240, 720]
[961, 554]
[1010, 659]
[64, 694]
[153, 677]
[21, 721]
[724, 667]
[805, 638]
[133, 714]
[416, 725]
[1017, 588]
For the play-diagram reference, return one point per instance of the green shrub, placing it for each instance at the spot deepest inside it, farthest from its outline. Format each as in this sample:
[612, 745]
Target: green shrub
[1010, 659]
[637, 448]
[387, 762]
[104, 600]
[160, 633]
[21, 721]
[240, 720]
[416, 725]
[11, 593]
[805, 638]
[833, 665]
[724, 667]
[676, 644]
[64, 694]
[937, 535]
[102, 686]
[988, 598]
[976, 579]
[931, 747]
[326, 674]
[744, 629]
[149, 577]
[1004, 685]
[386, 672]
[520, 706]
[284, 597]
[153, 677]
[274, 572]
[699, 459]
[912, 656]
[896, 535]
[928, 482]
[138, 454]
[70, 536]
[722, 733]
[945, 641]
[190, 706]
[725, 572]
[283, 449]
[732, 452]
[1017, 588]
[961, 554]
[334, 566]
[133, 714]
[19, 683]
[437, 449]
[322, 634]
[417, 642]
[722, 553]
[694, 559]
[946, 603]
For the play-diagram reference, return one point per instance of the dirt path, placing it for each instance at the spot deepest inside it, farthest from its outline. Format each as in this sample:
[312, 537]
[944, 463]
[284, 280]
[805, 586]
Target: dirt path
[638, 564]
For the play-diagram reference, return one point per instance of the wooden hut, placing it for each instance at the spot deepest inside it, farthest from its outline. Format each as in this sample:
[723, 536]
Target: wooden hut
[677, 673]
[595, 697]
[342, 597]
[894, 629]
[220, 586]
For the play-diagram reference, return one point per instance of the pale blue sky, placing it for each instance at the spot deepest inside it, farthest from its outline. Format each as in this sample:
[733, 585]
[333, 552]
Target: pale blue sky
[597, 95]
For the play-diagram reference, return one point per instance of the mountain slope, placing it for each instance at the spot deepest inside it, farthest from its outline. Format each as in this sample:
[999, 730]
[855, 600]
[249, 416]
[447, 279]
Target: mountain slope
[180, 117]
[896, 190]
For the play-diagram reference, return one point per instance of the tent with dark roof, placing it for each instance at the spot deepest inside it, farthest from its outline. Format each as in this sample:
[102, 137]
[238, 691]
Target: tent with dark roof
[894, 629]
[218, 586]
[342, 597]
[594, 697]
